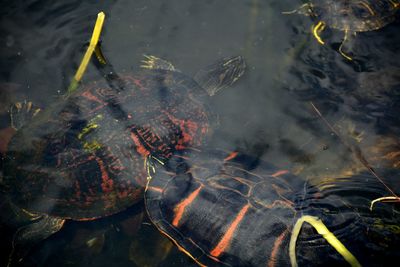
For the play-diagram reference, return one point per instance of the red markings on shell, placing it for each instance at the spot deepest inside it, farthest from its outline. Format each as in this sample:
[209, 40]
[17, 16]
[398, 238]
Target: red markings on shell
[189, 130]
[139, 146]
[107, 183]
[180, 208]
[228, 236]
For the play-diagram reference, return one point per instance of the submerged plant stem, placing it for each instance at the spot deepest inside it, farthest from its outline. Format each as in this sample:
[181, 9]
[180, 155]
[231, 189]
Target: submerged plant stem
[356, 150]
[328, 235]
[92, 46]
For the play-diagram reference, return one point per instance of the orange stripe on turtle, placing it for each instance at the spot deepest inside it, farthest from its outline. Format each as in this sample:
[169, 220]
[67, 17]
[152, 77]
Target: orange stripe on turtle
[232, 155]
[153, 188]
[227, 238]
[278, 242]
[279, 173]
[84, 219]
[180, 208]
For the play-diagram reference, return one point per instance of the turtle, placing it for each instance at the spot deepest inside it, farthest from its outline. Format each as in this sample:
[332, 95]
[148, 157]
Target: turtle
[85, 156]
[348, 16]
[233, 209]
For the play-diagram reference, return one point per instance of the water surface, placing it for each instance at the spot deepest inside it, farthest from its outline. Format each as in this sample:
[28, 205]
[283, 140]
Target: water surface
[268, 113]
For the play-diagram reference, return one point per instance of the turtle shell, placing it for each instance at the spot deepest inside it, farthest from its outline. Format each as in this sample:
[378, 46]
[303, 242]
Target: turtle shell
[356, 16]
[84, 156]
[224, 209]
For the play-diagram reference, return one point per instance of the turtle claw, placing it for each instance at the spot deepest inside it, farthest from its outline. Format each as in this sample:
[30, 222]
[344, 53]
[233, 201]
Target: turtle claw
[152, 62]
[150, 165]
[21, 113]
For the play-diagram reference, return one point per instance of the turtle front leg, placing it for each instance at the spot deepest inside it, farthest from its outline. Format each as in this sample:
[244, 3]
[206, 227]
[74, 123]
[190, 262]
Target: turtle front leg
[152, 62]
[21, 113]
[31, 234]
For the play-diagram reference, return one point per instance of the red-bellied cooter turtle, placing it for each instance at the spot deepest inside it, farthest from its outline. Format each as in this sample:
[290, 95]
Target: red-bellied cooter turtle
[232, 209]
[83, 157]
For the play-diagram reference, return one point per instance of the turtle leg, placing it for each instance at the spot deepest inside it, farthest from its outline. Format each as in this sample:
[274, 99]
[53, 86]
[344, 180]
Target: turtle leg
[21, 113]
[345, 39]
[31, 234]
[152, 62]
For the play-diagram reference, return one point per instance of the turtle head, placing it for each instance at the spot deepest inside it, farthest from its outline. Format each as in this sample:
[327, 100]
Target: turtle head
[221, 74]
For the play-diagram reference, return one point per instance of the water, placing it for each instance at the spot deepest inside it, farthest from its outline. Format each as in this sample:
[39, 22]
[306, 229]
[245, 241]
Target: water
[268, 113]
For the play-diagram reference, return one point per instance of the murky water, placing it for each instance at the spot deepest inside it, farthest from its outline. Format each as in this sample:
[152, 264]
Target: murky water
[271, 113]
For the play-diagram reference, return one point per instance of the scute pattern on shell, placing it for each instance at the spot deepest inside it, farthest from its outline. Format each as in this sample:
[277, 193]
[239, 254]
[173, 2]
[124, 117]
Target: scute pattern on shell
[84, 156]
[225, 209]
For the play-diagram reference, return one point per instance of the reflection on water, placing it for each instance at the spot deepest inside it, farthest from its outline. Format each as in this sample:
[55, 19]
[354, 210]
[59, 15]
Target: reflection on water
[267, 114]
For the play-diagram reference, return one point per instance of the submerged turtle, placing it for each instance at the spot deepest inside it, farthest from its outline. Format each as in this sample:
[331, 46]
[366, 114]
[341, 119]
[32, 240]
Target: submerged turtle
[84, 156]
[349, 16]
[234, 210]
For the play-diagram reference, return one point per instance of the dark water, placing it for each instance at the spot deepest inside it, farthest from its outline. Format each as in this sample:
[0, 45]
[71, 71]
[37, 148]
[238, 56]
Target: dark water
[268, 113]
